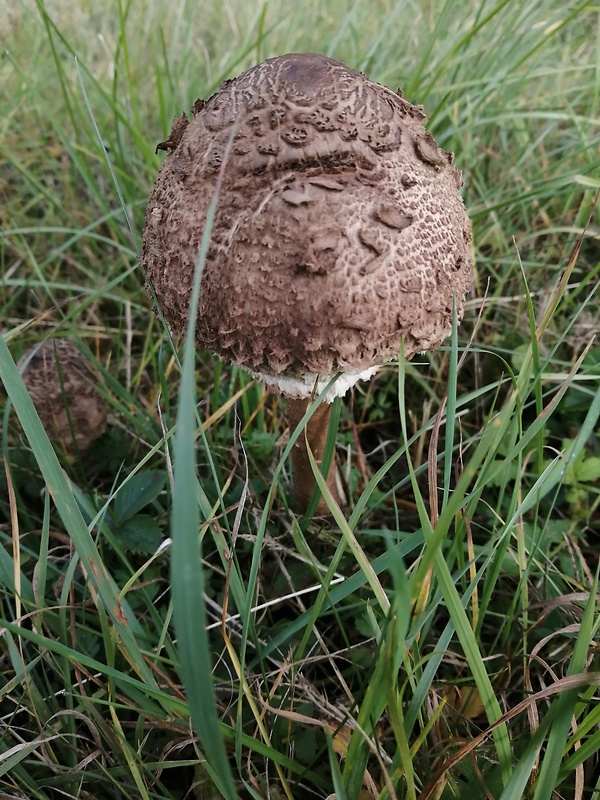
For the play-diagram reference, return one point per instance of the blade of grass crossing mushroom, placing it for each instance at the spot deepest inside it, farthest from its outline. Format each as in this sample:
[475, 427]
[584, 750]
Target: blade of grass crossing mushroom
[452, 599]
[187, 584]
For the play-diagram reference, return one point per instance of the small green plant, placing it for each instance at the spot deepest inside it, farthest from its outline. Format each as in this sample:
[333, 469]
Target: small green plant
[582, 480]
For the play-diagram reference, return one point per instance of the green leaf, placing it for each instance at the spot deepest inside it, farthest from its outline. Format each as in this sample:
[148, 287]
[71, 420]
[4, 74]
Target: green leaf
[588, 469]
[187, 573]
[262, 444]
[136, 493]
[140, 534]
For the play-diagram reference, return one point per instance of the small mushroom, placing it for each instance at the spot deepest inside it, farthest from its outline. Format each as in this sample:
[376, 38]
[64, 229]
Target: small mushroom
[62, 385]
[339, 230]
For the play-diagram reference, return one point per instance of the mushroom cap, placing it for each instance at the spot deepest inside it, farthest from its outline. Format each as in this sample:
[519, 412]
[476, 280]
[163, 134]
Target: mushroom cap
[339, 227]
[62, 385]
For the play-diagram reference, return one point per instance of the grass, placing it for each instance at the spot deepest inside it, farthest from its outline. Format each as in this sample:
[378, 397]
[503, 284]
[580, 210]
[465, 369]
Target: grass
[438, 640]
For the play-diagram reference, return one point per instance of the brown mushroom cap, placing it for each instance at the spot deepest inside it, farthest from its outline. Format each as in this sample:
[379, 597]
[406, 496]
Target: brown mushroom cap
[339, 227]
[64, 390]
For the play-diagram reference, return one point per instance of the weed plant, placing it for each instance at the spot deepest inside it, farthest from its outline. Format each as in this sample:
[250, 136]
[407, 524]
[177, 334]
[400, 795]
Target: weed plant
[169, 627]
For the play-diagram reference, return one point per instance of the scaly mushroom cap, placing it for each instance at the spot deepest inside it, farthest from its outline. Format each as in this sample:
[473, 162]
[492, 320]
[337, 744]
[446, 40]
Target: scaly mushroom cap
[339, 226]
[61, 384]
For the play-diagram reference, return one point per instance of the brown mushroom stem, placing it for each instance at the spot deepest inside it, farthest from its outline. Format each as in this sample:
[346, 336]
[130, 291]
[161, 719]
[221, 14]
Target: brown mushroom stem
[316, 433]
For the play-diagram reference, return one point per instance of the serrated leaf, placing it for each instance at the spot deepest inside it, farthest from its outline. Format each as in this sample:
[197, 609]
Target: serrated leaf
[588, 470]
[262, 444]
[305, 745]
[137, 493]
[140, 534]
[509, 472]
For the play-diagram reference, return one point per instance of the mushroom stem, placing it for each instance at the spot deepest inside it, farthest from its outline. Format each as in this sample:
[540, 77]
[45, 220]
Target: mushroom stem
[316, 433]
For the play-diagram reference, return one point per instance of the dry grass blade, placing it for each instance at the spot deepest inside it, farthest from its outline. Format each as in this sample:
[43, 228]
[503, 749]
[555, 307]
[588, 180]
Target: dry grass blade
[561, 685]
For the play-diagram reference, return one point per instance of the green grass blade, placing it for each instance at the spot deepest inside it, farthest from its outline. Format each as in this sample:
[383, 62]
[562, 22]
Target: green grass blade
[187, 581]
[565, 704]
[454, 603]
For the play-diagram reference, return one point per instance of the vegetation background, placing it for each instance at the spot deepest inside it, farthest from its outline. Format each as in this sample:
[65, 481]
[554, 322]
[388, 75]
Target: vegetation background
[441, 639]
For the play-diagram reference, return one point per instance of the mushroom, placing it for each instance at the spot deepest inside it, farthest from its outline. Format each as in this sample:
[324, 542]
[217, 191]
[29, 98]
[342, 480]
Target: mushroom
[62, 385]
[339, 231]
